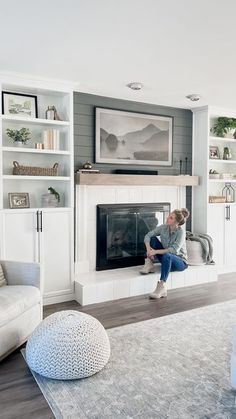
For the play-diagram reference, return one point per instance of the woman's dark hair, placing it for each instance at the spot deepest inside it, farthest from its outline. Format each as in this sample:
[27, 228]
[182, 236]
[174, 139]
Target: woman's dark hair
[181, 215]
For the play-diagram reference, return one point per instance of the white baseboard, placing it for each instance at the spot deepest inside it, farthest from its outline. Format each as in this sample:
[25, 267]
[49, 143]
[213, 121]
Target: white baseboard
[58, 299]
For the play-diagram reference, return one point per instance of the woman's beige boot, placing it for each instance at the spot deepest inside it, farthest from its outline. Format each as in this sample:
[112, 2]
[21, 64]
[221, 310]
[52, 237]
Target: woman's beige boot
[160, 291]
[147, 268]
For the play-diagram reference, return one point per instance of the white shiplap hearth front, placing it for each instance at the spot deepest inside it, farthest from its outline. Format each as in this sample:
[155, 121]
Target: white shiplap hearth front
[92, 286]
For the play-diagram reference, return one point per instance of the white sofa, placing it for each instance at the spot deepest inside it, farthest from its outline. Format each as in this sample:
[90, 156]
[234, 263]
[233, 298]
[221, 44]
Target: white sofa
[20, 304]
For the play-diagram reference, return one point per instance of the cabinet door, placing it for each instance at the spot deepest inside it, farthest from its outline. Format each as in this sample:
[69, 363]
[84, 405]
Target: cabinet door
[55, 250]
[19, 236]
[216, 229]
[230, 236]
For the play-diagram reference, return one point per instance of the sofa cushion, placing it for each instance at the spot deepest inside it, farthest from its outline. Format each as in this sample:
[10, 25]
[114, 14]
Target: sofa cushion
[2, 277]
[15, 300]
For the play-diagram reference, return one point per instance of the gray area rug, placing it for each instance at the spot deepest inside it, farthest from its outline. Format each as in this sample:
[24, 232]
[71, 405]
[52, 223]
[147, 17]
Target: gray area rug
[176, 366]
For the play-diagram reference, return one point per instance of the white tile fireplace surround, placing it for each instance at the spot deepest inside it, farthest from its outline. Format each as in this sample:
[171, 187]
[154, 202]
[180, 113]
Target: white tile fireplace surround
[92, 286]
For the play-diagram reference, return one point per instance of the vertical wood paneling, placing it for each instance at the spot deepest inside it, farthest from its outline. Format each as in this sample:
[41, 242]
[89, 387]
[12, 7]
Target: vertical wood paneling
[84, 130]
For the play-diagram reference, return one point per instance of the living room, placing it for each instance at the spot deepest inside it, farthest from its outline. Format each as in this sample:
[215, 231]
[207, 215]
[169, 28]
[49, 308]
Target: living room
[88, 89]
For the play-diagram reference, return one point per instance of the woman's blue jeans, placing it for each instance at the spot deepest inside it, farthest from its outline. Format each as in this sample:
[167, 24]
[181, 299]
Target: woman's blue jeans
[169, 261]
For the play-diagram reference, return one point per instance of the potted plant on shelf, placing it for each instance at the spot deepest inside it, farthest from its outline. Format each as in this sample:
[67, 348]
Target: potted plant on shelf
[19, 136]
[225, 126]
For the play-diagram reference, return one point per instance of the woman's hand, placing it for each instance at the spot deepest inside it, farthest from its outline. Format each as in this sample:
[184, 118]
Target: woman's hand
[151, 253]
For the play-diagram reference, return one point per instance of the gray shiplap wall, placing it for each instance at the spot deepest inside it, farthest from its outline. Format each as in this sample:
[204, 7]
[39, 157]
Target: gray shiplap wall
[84, 133]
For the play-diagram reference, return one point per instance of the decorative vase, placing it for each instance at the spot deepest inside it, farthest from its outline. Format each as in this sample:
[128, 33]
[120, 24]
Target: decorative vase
[49, 200]
[18, 144]
[227, 154]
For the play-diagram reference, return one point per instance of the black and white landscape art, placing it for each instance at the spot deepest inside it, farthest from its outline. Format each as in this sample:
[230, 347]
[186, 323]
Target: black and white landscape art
[133, 138]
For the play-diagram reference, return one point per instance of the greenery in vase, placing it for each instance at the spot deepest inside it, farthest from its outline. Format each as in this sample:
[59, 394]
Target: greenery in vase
[54, 192]
[223, 125]
[19, 135]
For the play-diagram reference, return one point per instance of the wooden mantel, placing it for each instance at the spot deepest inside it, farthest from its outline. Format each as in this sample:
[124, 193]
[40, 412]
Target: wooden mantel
[135, 180]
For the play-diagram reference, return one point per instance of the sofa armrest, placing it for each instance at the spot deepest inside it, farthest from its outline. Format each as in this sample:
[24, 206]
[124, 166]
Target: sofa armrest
[21, 273]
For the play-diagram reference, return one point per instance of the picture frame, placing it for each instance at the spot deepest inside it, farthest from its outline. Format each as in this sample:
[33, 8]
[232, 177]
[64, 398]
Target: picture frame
[18, 200]
[19, 104]
[133, 138]
[214, 152]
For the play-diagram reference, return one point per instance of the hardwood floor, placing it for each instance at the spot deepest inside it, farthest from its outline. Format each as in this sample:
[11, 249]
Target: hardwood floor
[20, 396]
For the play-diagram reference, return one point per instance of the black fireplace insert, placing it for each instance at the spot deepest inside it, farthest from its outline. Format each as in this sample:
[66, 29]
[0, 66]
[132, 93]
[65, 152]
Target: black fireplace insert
[121, 229]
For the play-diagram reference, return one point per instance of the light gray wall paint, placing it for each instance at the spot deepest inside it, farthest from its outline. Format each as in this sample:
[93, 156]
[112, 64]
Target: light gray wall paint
[84, 133]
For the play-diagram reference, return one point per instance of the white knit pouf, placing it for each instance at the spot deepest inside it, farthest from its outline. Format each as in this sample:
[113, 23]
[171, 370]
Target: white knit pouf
[68, 345]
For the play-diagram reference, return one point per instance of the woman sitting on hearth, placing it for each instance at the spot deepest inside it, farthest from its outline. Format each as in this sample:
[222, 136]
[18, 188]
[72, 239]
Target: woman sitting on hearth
[170, 250]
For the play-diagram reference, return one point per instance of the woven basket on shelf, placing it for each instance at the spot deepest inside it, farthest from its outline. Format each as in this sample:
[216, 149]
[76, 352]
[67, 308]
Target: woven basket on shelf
[34, 171]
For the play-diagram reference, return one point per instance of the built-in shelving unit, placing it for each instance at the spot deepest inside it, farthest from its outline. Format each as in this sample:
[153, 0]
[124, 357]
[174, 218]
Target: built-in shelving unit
[215, 218]
[28, 155]
[40, 230]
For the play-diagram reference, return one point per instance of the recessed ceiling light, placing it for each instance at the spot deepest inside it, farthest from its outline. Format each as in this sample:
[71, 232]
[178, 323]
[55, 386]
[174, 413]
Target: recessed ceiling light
[135, 85]
[194, 97]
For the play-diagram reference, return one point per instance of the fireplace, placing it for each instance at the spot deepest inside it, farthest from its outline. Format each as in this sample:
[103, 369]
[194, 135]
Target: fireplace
[120, 232]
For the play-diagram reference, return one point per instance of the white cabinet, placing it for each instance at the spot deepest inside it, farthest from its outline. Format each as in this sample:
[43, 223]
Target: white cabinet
[216, 229]
[56, 250]
[222, 228]
[43, 236]
[216, 219]
[20, 239]
[34, 232]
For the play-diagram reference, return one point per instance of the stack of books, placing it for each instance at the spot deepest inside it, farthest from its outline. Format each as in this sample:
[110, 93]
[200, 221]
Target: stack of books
[51, 139]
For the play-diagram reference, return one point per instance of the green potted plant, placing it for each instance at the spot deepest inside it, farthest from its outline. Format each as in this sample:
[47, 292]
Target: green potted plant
[19, 136]
[223, 126]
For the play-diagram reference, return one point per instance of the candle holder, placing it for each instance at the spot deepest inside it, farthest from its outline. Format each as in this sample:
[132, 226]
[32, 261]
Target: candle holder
[180, 167]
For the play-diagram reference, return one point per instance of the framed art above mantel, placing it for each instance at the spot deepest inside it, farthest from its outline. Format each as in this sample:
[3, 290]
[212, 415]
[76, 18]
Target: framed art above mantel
[133, 138]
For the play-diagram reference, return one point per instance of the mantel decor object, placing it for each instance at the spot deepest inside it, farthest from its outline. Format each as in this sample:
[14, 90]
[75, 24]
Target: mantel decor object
[133, 138]
[19, 104]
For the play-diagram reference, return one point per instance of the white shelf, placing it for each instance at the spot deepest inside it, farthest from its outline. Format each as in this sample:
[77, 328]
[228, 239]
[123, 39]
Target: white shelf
[222, 161]
[222, 180]
[34, 150]
[37, 121]
[45, 209]
[222, 139]
[52, 178]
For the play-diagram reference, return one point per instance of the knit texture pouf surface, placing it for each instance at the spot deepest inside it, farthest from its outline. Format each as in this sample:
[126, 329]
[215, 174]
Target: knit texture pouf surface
[68, 345]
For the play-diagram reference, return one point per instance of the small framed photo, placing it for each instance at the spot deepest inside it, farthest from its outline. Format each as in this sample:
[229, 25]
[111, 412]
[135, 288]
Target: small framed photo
[19, 104]
[18, 200]
[214, 152]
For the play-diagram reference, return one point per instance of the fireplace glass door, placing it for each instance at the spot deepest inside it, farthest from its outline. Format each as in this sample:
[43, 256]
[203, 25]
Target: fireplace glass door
[121, 230]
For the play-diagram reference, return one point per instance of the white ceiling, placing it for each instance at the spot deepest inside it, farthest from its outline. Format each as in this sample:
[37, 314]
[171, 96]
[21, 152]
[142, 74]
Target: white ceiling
[174, 47]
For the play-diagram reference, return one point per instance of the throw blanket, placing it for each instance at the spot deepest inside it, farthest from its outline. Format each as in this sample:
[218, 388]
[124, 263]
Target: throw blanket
[206, 243]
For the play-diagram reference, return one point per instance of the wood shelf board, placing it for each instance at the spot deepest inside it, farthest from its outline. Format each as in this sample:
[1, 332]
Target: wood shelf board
[146, 180]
